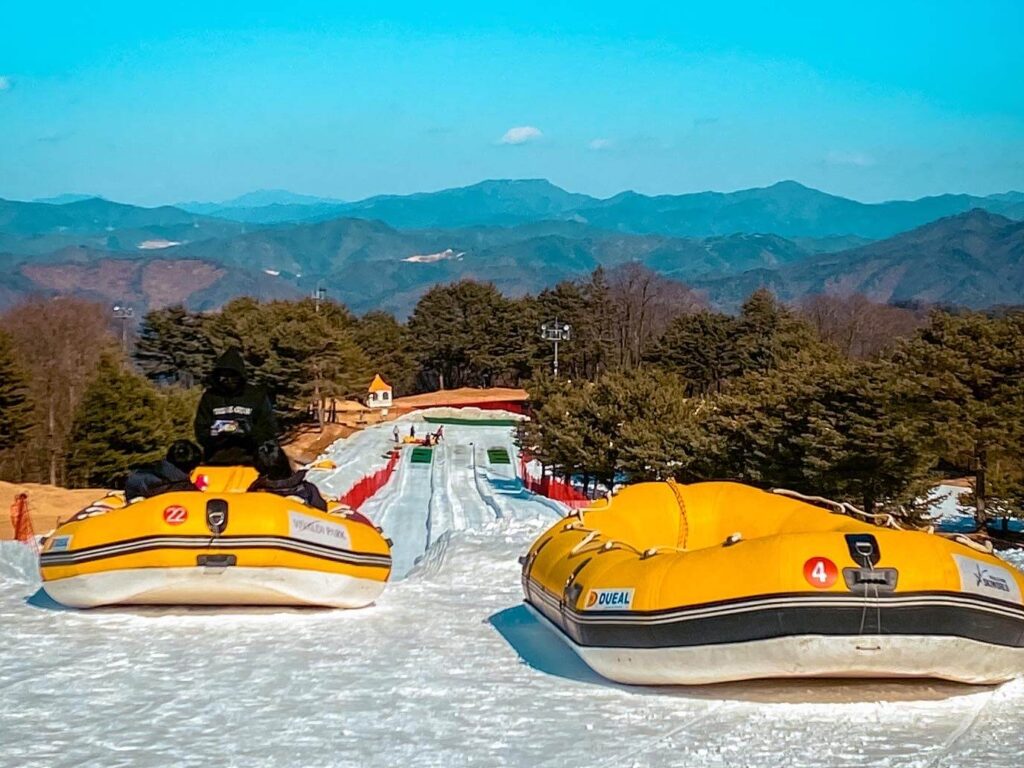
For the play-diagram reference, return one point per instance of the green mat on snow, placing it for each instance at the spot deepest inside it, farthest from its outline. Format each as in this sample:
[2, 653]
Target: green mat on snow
[422, 455]
[496, 422]
[498, 456]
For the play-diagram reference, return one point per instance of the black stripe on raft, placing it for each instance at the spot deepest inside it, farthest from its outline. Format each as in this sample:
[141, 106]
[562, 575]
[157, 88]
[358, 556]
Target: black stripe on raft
[765, 617]
[208, 543]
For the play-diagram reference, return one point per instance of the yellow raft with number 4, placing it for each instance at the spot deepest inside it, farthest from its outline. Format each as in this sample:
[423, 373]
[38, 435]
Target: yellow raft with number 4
[712, 582]
[217, 546]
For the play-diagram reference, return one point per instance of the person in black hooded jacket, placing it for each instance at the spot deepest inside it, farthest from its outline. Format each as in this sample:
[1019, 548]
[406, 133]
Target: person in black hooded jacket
[234, 416]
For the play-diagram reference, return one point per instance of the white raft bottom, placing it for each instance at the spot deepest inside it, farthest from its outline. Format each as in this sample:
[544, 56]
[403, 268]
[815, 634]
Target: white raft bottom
[232, 585]
[867, 656]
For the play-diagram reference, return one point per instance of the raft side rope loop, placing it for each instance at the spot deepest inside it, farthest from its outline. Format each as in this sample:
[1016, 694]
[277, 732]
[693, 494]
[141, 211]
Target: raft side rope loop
[987, 547]
[684, 526]
[843, 508]
[583, 542]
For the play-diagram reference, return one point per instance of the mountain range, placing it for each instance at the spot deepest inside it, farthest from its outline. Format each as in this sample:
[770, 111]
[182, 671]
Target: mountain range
[522, 235]
[786, 208]
[975, 259]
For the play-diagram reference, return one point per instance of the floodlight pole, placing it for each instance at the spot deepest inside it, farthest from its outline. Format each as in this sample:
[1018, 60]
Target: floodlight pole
[556, 332]
[124, 313]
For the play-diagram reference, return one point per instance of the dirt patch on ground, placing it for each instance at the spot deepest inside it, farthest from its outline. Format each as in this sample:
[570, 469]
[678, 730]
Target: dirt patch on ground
[45, 503]
[463, 396]
[306, 444]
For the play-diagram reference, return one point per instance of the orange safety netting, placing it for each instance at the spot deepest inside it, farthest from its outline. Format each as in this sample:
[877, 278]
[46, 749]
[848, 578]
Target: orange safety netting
[359, 493]
[21, 521]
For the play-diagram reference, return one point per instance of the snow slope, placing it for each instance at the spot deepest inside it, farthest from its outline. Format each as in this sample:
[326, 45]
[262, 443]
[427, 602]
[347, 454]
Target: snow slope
[424, 503]
[447, 669]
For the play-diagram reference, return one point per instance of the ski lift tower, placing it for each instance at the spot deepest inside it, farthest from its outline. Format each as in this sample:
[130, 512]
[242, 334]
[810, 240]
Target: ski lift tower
[556, 332]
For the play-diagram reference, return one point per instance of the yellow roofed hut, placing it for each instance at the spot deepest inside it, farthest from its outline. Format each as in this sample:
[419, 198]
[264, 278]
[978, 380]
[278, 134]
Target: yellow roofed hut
[380, 395]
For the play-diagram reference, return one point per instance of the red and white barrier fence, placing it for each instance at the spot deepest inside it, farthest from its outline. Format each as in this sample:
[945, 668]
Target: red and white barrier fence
[359, 493]
[551, 487]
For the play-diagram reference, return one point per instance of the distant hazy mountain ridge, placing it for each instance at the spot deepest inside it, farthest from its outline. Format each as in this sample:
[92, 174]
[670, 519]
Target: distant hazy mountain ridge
[523, 236]
[786, 208]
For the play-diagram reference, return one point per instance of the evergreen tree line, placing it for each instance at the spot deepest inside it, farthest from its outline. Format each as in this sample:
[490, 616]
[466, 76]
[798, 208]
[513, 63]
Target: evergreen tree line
[767, 398]
[836, 396]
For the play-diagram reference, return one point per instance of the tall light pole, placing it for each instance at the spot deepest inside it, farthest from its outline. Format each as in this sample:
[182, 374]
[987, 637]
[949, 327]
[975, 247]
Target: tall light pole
[557, 332]
[124, 313]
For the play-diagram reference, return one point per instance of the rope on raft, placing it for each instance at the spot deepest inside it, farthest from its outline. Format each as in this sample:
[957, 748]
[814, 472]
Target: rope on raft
[843, 508]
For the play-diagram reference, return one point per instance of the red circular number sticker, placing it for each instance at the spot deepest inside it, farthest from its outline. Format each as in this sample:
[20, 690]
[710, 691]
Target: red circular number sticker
[175, 515]
[820, 572]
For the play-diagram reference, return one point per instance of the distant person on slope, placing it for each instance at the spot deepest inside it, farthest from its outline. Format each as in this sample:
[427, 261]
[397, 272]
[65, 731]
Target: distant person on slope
[234, 417]
[277, 476]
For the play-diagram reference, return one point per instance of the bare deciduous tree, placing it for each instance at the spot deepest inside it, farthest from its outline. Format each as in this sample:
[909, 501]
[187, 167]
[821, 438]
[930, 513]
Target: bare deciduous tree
[58, 343]
[858, 327]
[644, 303]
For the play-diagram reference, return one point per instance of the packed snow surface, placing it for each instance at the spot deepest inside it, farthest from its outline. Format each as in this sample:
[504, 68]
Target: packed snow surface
[447, 669]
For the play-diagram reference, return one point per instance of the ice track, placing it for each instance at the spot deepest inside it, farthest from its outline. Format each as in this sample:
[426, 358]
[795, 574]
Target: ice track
[459, 490]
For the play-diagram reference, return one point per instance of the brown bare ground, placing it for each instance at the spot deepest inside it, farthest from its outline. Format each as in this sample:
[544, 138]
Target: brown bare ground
[306, 444]
[462, 396]
[46, 503]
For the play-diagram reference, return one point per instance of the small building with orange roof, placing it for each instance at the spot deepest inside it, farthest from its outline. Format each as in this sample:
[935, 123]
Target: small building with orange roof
[380, 395]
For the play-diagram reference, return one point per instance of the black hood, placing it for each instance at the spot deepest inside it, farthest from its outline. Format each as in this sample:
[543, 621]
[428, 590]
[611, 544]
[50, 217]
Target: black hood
[231, 361]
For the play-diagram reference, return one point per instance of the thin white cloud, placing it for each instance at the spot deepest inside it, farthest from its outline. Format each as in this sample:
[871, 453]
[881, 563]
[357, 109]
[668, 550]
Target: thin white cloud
[5, 83]
[857, 159]
[600, 144]
[521, 134]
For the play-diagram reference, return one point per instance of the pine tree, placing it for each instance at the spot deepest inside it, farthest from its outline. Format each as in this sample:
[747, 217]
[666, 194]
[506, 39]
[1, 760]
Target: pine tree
[174, 346]
[701, 348]
[462, 335]
[970, 369]
[662, 435]
[555, 435]
[122, 421]
[836, 428]
[388, 347]
[768, 334]
[15, 406]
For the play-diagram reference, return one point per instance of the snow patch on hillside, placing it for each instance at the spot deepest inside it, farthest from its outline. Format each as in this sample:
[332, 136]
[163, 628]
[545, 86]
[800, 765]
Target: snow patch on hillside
[429, 258]
[157, 244]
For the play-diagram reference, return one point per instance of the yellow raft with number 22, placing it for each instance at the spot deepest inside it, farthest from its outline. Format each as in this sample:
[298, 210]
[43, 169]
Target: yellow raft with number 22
[711, 582]
[217, 546]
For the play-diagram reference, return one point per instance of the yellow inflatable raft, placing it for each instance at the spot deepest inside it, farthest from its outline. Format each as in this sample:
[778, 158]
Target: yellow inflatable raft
[705, 583]
[218, 546]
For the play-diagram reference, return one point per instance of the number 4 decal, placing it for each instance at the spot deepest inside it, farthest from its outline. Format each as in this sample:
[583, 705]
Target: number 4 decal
[820, 572]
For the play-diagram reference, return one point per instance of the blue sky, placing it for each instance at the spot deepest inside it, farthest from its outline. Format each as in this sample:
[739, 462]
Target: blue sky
[156, 103]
